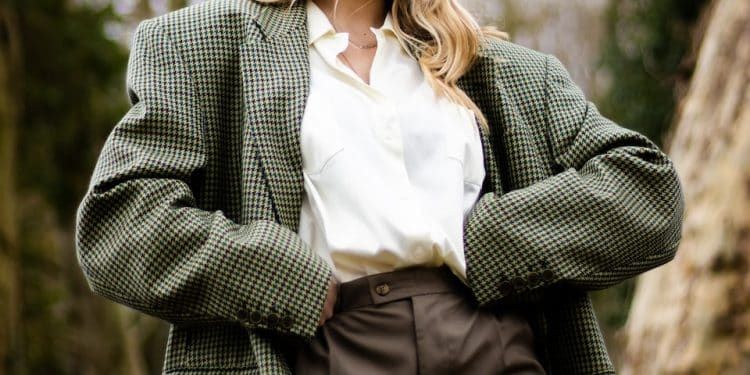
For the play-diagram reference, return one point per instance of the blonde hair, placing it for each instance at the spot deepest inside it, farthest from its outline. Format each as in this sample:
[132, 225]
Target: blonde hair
[446, 39]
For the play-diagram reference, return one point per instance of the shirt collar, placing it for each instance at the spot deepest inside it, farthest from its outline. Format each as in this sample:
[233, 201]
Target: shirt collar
[318, 24]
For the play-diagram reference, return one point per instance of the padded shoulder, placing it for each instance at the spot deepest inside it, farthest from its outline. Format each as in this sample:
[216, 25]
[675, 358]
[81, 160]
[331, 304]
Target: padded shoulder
[524, 75]
[516, 60]
[205, 22]
[514, 52]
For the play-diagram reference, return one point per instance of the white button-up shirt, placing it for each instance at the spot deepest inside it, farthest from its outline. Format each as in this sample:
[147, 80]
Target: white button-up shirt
[390, 169]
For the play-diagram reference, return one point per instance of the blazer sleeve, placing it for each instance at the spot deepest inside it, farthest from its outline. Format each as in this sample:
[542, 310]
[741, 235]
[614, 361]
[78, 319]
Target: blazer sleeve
[142, 241]
[615, 210]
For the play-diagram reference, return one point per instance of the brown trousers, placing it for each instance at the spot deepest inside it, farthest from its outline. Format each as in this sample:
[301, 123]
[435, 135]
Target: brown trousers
[417, 321]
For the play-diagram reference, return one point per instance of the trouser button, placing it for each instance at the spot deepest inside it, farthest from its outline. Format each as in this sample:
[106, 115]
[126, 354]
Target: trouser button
[383, 289]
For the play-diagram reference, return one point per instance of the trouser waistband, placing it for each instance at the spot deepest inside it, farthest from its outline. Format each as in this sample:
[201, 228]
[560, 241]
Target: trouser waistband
[392, 286]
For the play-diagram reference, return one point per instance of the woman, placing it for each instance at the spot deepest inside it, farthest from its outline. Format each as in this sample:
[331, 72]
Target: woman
[367, 187]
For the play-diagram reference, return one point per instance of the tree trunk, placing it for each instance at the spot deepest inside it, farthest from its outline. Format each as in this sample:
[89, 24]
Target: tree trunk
[692, 316]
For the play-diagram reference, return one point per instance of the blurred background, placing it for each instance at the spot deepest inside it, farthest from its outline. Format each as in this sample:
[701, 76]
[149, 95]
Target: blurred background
[677, 71]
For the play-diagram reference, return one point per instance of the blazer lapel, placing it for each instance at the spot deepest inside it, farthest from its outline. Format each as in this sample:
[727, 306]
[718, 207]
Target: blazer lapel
[276, 83]
[275, 71]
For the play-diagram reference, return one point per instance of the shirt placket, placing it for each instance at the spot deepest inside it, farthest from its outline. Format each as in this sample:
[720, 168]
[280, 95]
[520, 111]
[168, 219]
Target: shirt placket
[385, 121]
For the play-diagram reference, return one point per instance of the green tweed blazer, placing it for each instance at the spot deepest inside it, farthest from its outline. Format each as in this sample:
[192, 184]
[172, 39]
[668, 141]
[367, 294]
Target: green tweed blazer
[192, 212]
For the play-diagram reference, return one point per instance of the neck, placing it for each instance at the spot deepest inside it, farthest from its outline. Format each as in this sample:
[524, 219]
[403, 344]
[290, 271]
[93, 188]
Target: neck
[354, 15]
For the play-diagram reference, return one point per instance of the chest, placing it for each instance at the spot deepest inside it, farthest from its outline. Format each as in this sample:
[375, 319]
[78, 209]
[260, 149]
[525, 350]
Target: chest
[395, 121]
[277, 89]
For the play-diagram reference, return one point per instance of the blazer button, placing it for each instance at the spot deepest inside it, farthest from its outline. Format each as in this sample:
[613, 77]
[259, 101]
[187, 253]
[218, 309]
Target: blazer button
[506, 287]
[242, 315]
[533, 278]
[548, 275]
[255, 318]
[272, 319]
[287, 322]
[518, 283]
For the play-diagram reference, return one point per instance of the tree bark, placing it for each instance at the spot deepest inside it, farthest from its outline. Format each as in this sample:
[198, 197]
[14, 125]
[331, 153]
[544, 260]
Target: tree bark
[692, 316]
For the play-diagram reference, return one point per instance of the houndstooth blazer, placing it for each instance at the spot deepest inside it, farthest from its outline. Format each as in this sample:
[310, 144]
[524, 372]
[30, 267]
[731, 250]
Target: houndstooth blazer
[192, 211]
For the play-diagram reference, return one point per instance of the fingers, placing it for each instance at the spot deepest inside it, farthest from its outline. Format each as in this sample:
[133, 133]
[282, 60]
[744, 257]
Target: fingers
[330, 302]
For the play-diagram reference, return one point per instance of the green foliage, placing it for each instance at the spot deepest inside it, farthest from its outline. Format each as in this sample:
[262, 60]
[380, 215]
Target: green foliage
[644, 51]
[73, 93]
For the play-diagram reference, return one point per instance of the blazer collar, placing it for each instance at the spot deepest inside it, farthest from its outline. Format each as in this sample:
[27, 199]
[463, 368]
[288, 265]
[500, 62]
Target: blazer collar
[276, 84]
[276, 21]
[318, 24]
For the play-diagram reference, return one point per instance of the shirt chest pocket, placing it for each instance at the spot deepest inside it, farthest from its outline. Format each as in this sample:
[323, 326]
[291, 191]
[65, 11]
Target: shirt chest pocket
[320, 142]
[463, 145]
[454, 147]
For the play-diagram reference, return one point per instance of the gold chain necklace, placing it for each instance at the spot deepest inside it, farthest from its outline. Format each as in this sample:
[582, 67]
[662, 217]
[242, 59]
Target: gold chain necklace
[366, 46]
